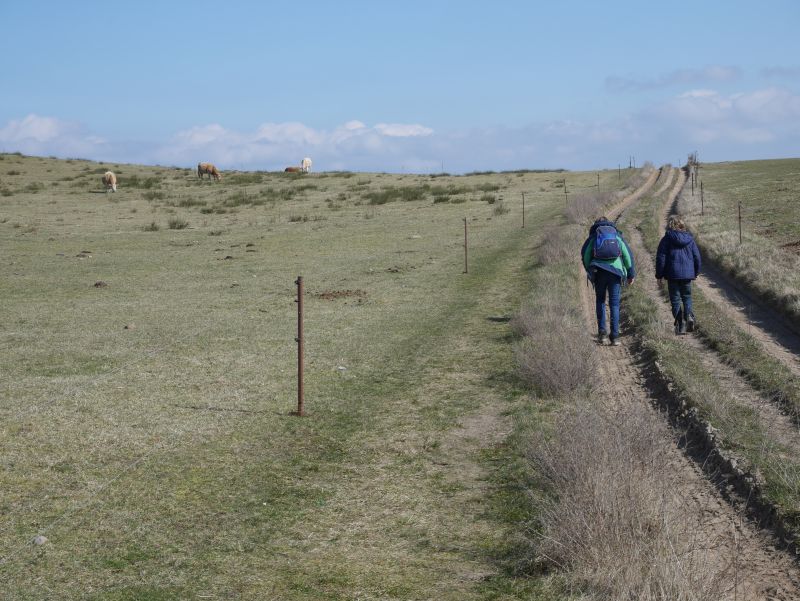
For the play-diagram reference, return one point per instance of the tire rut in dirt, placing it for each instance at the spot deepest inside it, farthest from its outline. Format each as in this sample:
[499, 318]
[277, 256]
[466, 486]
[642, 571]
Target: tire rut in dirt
[773, 331]
[731, 545]
[723, 538]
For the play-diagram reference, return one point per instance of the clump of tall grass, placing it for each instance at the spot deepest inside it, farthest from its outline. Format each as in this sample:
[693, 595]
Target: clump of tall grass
[190, 202]
[134, 181]
[151, 227]
[393, 193]
[246, 178]
[585, 207]
[273, 195]
[500, 208]
[177, 223]
[639, 176]
[617, 522]
[552, 353]
[562, 248]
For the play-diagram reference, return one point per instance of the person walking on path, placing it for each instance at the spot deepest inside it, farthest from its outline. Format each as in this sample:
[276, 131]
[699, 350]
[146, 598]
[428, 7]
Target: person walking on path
[678, 260]
[608, 262]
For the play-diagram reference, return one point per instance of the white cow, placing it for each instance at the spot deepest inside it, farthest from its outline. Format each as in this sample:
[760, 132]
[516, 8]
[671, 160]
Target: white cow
[305, 165]
[110, 181]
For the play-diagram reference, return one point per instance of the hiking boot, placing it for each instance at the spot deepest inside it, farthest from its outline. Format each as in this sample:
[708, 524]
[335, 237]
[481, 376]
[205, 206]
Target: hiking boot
[680, 324]
[615, 342]
[690, 323]
[602, 336]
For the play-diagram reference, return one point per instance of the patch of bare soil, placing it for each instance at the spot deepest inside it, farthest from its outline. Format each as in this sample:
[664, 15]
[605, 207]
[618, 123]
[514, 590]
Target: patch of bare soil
[330, 295]
[667, 180]
[792, 247]
[636, 195]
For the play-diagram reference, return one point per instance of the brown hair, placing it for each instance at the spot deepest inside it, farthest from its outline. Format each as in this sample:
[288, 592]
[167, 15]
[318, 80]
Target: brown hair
[676, 223]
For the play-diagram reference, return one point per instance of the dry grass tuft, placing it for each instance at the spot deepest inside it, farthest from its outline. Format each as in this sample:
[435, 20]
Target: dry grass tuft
[586, 207]
[617, 523]
[553, 354]
[563, 247]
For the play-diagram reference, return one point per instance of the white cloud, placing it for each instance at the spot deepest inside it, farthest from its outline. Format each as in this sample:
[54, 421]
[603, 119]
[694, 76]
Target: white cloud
[401, 130]
[275, 145]
[35, 134]
[751, 124]
[754, 124]
[712, 73]
[772, 107]
[287, 133]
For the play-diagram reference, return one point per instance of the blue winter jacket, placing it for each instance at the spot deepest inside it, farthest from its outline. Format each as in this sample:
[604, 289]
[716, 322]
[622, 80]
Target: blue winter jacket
[677, 257]
[622, 266]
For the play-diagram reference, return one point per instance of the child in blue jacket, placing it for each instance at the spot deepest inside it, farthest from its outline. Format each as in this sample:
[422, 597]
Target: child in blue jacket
[678, 260]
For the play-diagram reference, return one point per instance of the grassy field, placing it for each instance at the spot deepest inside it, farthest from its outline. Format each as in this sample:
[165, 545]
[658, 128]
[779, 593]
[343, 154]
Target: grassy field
[149, 368]
[768, 260]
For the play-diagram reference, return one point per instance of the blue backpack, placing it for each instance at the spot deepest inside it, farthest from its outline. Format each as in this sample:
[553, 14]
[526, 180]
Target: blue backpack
[606, 245]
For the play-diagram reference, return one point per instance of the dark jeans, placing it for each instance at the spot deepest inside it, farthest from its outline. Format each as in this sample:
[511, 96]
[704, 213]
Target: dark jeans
[680, 292]
[606, 282]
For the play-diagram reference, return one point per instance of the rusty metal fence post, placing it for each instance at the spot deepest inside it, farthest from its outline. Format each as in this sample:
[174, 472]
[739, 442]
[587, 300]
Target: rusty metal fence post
[300, 409]
[466, 268]
[523, 210]
[740, 222]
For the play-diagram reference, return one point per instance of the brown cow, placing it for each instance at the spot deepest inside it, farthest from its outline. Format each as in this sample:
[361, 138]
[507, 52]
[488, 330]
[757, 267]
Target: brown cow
[292, 170]
[110, 181]
[210, 169]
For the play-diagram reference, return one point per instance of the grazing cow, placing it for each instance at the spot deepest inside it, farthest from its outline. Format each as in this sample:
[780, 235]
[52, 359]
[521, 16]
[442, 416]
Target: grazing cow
[305, 165]
[110, 181]
[210, 169]
[292, 170]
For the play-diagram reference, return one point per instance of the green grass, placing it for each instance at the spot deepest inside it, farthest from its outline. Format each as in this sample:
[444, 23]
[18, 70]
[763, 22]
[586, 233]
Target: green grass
[146, 428]
[768, 261]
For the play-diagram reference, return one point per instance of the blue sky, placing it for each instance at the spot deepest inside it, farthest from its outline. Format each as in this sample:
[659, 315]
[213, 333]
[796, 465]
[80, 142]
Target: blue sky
[400, 86]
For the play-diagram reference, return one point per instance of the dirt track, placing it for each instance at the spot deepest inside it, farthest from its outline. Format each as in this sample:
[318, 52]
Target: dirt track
[771, 330]
[744, 557]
